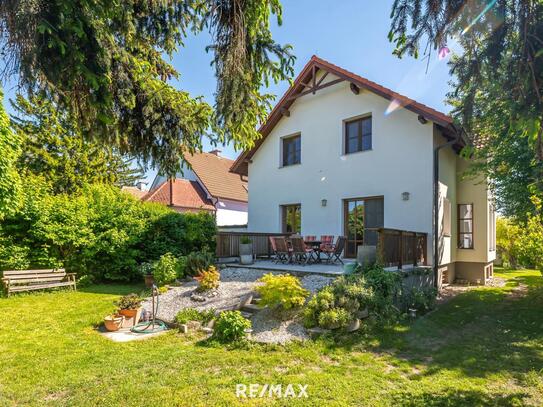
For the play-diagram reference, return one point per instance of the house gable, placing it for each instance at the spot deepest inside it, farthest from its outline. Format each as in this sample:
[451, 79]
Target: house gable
[318, 75]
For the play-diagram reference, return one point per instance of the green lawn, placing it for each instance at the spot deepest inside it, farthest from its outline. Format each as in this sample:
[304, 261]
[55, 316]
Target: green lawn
[484, 347]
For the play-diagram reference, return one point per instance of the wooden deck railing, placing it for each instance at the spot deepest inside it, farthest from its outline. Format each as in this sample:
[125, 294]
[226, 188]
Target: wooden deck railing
[401, 247]
[228, 243]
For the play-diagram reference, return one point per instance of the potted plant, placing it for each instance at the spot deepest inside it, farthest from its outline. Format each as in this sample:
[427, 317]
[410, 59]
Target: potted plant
[113, 322]
[130, 307]
[245, 250]
[147, 271]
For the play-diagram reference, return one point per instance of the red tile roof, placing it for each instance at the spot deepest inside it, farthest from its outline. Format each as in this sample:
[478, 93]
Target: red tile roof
[186, 195]
[240, 166]
[214, 172]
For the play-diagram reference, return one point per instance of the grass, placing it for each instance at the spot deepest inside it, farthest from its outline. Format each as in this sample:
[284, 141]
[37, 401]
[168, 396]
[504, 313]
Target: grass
[484, 347]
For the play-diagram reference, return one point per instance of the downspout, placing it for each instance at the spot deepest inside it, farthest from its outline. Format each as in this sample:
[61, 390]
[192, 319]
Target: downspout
[436, 201]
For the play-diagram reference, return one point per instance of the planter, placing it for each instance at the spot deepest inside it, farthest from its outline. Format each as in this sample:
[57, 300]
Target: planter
[132, 316]
[354, 325]
[149, 280]
[412, 312]
[113, 322]
[246, 253]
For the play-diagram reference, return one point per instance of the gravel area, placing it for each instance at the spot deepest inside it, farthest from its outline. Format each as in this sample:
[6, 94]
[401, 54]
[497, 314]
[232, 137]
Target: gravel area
[235, 284]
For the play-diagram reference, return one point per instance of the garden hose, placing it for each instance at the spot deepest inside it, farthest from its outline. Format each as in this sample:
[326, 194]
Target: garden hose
[154, 324]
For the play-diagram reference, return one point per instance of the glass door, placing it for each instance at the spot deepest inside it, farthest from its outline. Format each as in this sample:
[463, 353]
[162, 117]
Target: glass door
[363, 217]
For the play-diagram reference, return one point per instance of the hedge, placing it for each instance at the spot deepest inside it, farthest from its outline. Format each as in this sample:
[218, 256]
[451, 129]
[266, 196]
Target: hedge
[102, 233]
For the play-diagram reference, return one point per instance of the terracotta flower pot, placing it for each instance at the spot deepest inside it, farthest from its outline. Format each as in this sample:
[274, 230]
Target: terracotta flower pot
[113, 322]
[131, 313]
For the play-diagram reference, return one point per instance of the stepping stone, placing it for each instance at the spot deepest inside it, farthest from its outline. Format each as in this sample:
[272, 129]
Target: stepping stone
[316, 332]
[245, 300]
[252, 308]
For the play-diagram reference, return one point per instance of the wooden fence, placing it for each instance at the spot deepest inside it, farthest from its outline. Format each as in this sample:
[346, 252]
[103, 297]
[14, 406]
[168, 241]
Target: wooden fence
[228, 243]
[401, 247]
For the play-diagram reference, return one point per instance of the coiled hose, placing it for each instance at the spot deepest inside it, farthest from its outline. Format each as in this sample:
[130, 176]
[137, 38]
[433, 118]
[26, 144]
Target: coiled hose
[154, 324]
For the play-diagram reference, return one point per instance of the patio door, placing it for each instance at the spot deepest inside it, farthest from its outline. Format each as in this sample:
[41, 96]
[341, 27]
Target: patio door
[362, 218]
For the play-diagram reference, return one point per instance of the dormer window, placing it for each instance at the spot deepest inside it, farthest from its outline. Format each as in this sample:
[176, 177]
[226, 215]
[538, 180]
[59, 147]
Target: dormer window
[358, 135]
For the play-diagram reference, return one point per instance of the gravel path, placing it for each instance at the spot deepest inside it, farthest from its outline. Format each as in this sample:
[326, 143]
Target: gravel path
[235, 284]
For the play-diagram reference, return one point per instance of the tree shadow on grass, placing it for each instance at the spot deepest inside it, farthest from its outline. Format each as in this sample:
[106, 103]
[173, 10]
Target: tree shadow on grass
[480, 332]
[450, 398]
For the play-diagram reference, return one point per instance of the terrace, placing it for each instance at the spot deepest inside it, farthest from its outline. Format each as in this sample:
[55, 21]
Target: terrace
[396, 249]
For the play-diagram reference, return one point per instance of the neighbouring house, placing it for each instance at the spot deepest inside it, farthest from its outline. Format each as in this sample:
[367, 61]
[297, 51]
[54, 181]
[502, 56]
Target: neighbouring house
[205, 184]
[342, 155]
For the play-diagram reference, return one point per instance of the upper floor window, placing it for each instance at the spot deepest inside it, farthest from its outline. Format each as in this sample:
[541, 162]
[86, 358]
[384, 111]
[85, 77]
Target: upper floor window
[465, 226]
[292, 150]
[358, 135]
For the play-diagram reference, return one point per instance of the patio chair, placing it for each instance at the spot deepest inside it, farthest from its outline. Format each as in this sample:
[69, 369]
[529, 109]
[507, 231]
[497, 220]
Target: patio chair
[327, 241]
[282, 251]
[333, 252]
[310, 238]
[274, 249]
[300, 252]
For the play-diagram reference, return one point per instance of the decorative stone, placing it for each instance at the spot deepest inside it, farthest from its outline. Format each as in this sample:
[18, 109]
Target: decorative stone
[245, 300]
[412, 312]
[363, 314]
[247, 315]
[211, 324]
[197, 298]
[354, 326]
[316, 332]
[213, 293]
[206, 330]
[183, 328]
[194, 325]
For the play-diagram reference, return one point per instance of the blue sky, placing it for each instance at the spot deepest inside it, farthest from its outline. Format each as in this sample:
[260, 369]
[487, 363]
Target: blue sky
[348, 33]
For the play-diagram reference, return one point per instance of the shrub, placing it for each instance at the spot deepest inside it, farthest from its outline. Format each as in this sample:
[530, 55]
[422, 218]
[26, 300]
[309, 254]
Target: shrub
[231, 326]
[197, 262]
[146, 268]
[130, 301]
[208, 279]
[421, 299]
[165, 269]
[244, 240]
[181, 266]
[100, 231]
[192, 314]
[334, 318]
[283, 291]
[336, 305]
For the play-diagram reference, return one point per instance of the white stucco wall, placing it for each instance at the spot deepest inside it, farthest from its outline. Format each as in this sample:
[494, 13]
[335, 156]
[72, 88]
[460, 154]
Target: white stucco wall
[231, 213]
[474, 191]
[400, 161]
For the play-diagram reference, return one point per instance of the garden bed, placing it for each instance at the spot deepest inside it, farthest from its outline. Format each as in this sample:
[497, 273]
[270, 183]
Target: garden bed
[235, 285]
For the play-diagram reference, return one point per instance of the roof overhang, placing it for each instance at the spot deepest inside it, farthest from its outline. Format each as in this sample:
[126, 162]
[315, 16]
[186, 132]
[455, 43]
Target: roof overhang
[307, 83]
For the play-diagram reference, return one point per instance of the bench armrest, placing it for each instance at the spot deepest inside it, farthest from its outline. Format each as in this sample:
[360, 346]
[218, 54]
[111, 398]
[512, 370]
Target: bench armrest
[71, 274]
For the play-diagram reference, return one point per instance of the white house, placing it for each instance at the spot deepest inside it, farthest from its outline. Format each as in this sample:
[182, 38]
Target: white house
[207, 185]
[341, 155]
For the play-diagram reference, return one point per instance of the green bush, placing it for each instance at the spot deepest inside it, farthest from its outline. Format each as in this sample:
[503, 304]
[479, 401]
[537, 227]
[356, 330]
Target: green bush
[334, 318]
[421, 299]
[197, 262]
[339, 303]
[165, 270]
[520, 244]
[101, 232]
[192, 314]
[284, 291]
[231, 326]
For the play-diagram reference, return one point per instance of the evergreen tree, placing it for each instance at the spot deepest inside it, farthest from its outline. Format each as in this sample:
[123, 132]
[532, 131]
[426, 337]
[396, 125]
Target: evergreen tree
[54, 148]
[498, 85]
[105, 61]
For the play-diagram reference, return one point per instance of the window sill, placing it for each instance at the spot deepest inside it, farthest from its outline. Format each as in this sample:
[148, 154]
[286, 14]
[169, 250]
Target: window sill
[289, 166]
[356, 152]
[465, 248]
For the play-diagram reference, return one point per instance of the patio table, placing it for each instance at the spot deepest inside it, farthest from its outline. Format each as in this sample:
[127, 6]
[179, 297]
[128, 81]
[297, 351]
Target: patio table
[316, 246]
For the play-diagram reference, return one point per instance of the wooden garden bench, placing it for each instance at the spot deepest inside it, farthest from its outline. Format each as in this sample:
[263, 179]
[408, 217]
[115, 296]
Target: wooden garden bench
[27, 280]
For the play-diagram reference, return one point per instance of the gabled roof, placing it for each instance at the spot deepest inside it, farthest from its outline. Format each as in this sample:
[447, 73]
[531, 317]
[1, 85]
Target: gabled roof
[180, 193]
[306, 83]
[214, 173]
